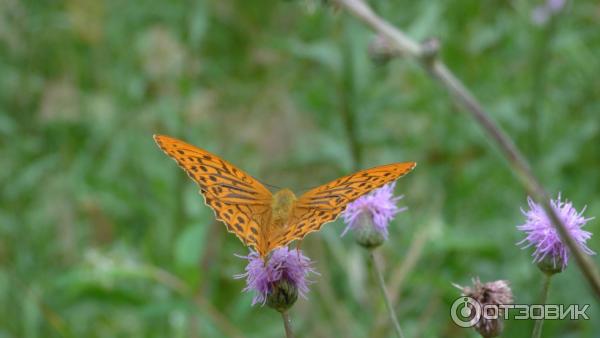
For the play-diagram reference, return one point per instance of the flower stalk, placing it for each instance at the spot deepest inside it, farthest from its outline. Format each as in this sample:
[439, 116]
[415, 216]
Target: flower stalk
[369, 218]
[386, 297]
[287, 324]
[537, 328]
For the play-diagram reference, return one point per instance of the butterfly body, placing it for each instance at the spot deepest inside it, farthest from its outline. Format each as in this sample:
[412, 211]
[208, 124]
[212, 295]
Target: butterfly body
[281, 208]
[264, 220]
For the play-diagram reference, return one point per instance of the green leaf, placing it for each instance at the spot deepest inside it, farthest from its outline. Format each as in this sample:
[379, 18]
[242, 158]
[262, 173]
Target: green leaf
[188, 247]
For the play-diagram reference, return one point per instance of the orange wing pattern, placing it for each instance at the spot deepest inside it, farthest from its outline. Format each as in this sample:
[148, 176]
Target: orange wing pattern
[323, 204]
[238, 200]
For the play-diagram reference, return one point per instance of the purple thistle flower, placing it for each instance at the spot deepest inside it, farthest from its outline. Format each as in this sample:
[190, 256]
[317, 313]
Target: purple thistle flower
[546, 239]
[380, 206]
[555, 6]
[286, 266]
[541, 14]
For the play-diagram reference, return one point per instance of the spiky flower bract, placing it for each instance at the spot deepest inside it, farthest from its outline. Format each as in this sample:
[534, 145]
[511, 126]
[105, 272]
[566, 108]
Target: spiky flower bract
[491, 293]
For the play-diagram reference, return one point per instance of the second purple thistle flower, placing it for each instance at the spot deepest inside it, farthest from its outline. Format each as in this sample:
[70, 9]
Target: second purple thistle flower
[370, 215]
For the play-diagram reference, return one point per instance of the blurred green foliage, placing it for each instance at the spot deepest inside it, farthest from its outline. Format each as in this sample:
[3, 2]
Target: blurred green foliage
[101, 235]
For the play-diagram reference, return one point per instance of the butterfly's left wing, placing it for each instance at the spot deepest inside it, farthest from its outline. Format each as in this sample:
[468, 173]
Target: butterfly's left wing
[238, 200]
[323, 204]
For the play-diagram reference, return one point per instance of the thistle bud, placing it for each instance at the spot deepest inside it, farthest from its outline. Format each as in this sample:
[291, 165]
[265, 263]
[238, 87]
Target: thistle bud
[365, 233]
[551, 266]
[283, 295]
[380, 51]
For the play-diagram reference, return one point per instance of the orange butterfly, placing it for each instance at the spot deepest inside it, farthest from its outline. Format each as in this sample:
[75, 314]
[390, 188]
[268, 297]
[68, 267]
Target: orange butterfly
[267, 221]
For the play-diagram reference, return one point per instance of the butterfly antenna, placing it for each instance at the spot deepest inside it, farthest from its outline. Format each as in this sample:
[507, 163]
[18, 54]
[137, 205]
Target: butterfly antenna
[270, 185]
[303, 190]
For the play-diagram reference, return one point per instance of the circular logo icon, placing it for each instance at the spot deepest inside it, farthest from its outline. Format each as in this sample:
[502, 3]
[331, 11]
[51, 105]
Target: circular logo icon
[465, 311]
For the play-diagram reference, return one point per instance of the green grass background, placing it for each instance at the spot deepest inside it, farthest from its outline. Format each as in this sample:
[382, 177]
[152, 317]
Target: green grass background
[101, 235]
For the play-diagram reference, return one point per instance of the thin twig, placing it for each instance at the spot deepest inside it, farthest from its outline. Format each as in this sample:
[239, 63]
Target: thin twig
[537, 328]
[541, 58]
[287, 324]
[48, 313]
[364, 12]
[414, 252]
[173, 282]
[386, 296]
[348, 108]
[403, 269]
[424, 321]
[538, 86]
[438, 70]
[342, 320]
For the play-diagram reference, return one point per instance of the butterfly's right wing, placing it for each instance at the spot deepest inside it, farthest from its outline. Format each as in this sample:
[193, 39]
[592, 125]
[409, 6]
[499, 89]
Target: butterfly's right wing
[324, 204]
[238, 200]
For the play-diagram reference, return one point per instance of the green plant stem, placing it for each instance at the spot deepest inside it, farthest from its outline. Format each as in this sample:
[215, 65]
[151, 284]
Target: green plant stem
[537, 328]
[347, 99]
[386, 296]
[541, 56]
[180, 287]
[287, 324]
[539, 63]
[427, 54]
